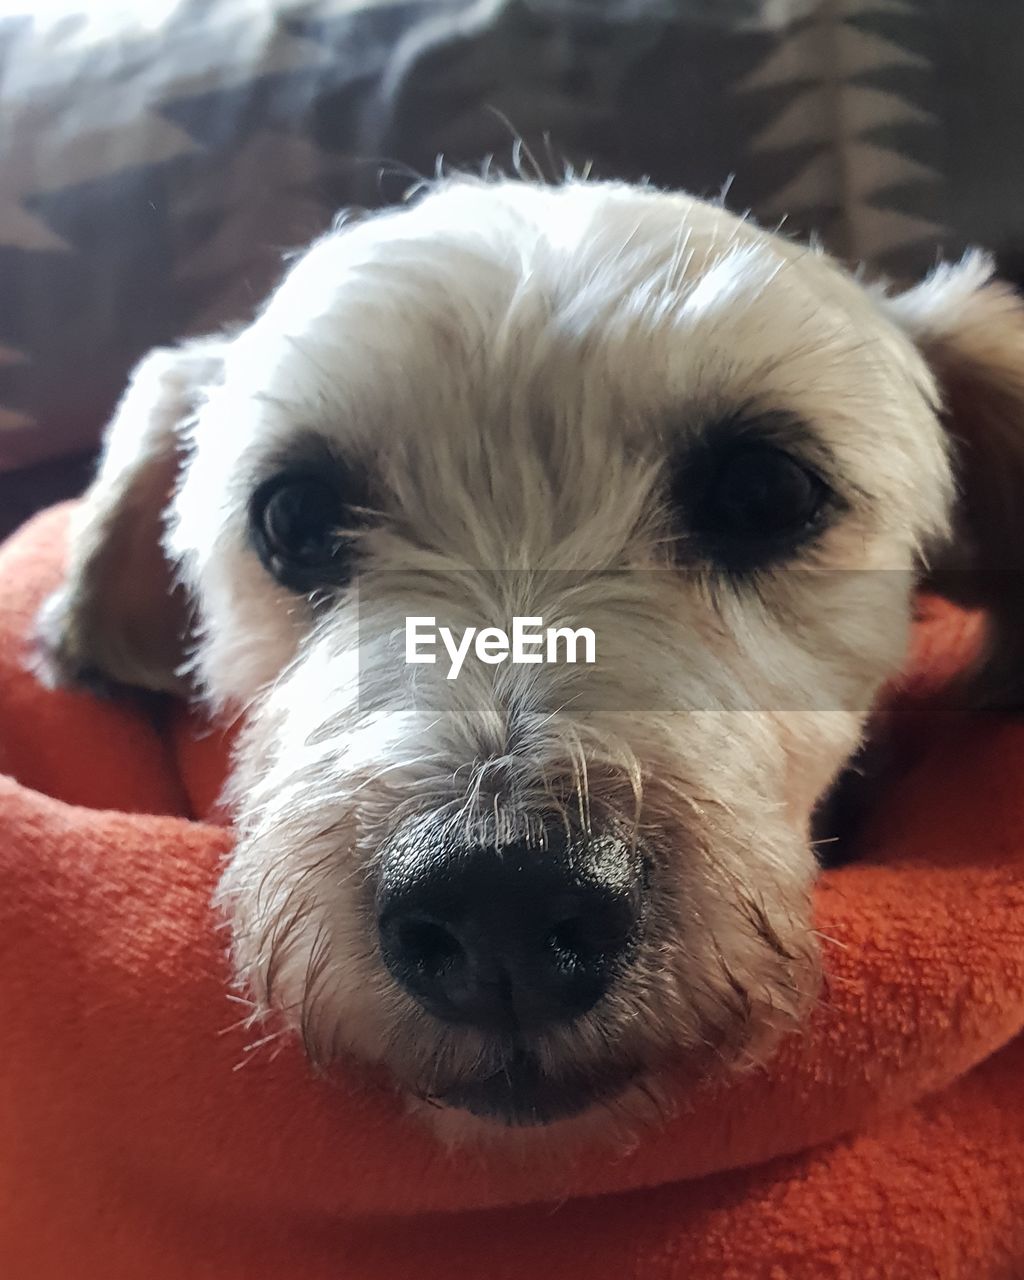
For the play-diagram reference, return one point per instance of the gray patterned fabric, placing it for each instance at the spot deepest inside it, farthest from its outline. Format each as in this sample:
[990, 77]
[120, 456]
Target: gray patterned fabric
[157, 159]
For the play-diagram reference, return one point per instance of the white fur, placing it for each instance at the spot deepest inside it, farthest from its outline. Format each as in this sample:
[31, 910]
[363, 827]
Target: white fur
[516, 363]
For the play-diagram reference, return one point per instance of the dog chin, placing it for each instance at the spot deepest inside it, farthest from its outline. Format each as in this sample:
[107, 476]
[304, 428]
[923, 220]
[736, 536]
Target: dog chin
[520, 1095]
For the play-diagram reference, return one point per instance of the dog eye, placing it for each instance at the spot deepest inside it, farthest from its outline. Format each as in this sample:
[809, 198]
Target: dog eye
[749, 503]
[301, 529]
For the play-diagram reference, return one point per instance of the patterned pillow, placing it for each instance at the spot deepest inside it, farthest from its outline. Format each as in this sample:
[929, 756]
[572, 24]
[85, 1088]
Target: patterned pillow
[157, 160]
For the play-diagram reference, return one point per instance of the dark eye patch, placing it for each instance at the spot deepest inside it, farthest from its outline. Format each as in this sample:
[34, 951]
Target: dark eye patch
[304, 522]
[749, 492]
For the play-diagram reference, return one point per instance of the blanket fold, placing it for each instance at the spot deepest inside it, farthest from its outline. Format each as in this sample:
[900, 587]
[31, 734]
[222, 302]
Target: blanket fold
[144, 1133]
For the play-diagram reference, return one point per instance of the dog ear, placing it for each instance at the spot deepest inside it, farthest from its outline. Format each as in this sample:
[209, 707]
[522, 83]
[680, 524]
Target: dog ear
[970, 329]
[119, 617]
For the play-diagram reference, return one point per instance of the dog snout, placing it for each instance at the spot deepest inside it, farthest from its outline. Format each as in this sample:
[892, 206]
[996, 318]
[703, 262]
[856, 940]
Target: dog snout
[509, 937]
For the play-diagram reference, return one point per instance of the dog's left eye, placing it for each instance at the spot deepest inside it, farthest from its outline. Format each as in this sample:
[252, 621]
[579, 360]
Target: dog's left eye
[760, 492]
[301, 528]
[747, 502]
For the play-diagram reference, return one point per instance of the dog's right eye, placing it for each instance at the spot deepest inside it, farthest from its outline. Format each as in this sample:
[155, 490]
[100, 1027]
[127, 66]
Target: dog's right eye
[303, 531]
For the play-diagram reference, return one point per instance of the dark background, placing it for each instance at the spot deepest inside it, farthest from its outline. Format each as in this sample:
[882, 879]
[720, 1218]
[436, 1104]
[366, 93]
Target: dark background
[155, 168]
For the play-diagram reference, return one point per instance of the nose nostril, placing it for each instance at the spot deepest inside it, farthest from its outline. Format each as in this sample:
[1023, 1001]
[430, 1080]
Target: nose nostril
[429, 947]
[594, 938]
[570, 941]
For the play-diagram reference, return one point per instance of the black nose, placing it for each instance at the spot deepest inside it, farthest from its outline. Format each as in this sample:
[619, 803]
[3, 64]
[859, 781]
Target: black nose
[510, 937]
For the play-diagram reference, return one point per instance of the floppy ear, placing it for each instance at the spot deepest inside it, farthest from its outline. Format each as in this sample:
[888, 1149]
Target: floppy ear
[970, 329]
[119, 617]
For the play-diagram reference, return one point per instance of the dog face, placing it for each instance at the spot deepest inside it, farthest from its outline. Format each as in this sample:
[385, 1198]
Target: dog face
[523, 889]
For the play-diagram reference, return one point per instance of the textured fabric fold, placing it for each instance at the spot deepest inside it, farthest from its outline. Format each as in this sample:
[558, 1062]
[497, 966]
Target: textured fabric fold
[144, 1133]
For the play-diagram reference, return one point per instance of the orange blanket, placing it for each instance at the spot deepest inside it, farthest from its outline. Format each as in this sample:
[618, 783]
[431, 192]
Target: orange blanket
[141, 1139]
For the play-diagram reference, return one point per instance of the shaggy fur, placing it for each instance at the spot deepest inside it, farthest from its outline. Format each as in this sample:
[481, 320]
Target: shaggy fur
[512, 368]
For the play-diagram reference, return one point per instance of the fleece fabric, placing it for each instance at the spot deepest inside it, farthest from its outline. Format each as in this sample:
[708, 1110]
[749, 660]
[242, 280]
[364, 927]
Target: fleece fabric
[144, 1137]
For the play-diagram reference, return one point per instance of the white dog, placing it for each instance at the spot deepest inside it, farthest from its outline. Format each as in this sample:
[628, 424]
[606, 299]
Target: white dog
[524, 889]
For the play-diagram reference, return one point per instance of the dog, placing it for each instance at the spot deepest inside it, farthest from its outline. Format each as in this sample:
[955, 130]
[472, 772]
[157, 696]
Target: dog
[523, 891]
